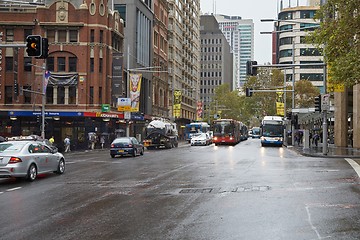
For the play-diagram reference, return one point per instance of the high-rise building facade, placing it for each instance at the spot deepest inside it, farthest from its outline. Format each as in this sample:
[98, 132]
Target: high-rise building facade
[240, 35]
[291, 46]
[160, 81]
[216, 62]
[184, 58]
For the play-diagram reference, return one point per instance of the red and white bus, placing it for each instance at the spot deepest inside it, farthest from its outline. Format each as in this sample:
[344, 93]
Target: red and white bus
[226, 131]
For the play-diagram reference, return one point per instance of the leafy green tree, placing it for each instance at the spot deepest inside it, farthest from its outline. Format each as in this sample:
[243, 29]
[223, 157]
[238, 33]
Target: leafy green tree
[339, 33]
[305, 93]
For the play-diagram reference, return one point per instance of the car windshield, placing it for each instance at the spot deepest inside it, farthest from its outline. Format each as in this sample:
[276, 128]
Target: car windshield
[11, 147]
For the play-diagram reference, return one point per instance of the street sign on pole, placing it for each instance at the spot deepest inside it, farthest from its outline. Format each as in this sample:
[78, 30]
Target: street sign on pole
[325, 102]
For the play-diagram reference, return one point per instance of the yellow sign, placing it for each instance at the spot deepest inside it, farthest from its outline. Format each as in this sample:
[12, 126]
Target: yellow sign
[279, 108]
[177, 103]
[124, 108]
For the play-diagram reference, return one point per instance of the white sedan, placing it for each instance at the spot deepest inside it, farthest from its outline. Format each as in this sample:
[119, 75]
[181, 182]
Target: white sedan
[201, 139]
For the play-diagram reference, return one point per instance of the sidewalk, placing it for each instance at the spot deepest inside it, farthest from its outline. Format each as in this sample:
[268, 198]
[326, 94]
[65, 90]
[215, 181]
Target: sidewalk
[333, 152]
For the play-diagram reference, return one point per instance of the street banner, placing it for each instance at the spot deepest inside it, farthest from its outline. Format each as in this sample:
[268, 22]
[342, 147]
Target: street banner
[280, 111]
[177, 104]
[135, 85]
[199, 111]
[46, 79]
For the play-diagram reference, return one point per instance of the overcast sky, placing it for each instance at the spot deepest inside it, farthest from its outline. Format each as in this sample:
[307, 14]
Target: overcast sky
[251, 9]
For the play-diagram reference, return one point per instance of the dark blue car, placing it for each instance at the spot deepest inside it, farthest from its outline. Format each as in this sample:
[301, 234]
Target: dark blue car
[123, 146]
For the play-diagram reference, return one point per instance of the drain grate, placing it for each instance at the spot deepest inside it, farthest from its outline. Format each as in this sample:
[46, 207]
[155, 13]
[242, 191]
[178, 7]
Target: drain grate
[225, 190]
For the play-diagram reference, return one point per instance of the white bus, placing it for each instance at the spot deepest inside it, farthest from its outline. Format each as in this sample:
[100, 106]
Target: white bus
[272, 131]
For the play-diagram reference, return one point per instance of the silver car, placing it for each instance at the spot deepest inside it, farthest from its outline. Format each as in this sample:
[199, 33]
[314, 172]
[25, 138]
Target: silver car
[28, 158]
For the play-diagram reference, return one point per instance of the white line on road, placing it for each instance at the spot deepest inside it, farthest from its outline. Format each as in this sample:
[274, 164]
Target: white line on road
[354, 165]
[13, 189]
[1, 192]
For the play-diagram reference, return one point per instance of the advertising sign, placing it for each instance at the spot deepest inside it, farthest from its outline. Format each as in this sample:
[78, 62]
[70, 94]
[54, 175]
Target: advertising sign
[124, 104]
[135, 85]
[177, 104]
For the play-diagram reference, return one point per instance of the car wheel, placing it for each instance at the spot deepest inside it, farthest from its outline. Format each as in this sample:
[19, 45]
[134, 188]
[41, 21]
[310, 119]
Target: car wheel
[61, 167]
[134, 152]
[142, 151]
[31, 173]
[112, 155]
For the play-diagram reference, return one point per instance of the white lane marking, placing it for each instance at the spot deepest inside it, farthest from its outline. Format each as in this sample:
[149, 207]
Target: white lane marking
[354, 165]
[1, 192]
[13, 189]
[311, 223]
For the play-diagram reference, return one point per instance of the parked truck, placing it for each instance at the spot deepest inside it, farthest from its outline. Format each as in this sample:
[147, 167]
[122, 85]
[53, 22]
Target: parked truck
[161, 133]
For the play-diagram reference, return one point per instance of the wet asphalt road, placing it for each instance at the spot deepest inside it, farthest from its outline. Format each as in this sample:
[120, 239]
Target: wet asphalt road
[202, 192]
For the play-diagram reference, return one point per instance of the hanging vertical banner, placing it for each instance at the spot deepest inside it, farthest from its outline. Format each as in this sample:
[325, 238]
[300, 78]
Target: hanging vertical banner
[177, 104]
[46, 80]
[199, 111]
[280, 111]
[135, 85]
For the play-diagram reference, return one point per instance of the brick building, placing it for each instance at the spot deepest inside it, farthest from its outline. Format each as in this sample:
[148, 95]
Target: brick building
[85, 61]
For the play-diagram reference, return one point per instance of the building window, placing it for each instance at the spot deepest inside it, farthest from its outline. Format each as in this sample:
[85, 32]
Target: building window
[62, 36]
[8, 94]
[310, 52]
[50, 63]
[61, 95]
[72, 95]
[122, 11]
[101, 36]
[73, 35]
[100, 65]
[285, 53]
[61, 64]
[9, 35]
[100, 95]
[72, 64]
[27, 32]
[27, 62]
[91, 64]
[27, 95]
[91, 95]
[50, 35]
[9, 64]
[92, 35]
[50, 95]
[312, 76]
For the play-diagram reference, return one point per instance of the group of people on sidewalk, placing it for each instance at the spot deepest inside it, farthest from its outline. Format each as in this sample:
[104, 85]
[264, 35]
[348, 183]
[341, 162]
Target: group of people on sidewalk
[314, 138]
[93, 139]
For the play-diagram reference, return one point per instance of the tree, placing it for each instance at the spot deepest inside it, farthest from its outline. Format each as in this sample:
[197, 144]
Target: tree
[305, 93]
[339, 33]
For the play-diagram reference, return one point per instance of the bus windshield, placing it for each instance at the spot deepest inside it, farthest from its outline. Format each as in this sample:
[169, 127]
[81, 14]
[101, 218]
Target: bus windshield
[272, 130]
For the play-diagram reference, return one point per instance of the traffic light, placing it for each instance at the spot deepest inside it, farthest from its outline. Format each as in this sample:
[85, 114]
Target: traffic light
[250, 69]
[318, 103]
[289, 115]
[248, 92]
[253, 69]
[44, 48]
[34, 45]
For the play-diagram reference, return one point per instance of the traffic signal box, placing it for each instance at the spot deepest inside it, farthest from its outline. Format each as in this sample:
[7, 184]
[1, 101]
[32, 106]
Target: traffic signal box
[250, 69]
[318, 103]
[33, 45]
[248, 92]
[36, 46]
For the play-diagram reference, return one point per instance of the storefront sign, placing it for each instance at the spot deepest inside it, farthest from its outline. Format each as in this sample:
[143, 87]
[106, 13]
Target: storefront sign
[47, 114]
[105, 107]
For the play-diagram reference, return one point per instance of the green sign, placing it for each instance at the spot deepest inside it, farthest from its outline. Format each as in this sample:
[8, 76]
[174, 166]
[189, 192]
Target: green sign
[105, 108]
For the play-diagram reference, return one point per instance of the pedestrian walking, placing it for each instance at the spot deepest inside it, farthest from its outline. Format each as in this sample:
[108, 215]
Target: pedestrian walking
[102, 141]
[67, 144]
